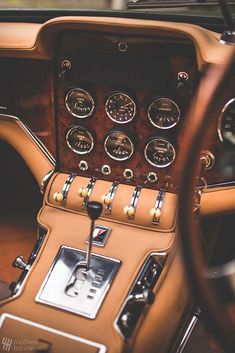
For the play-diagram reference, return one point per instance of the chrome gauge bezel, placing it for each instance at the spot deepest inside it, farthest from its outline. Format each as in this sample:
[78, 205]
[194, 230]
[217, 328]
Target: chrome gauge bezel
[111, 156]
[107, 110]
[158, 165]
[88, 133]
[163, 127]
[71, 111]
[221, 117]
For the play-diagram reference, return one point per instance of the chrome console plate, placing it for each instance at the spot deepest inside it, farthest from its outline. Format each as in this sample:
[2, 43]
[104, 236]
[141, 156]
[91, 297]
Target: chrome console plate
[90, 295]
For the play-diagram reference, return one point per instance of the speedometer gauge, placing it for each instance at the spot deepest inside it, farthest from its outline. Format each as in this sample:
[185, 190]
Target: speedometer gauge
[79, 103]
[226, 125]
[118, 146]
[159, 152]
[80, 140]
[120, 108]
[163, 113]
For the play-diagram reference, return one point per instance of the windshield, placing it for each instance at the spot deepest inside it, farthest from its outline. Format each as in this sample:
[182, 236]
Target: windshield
[182, 7]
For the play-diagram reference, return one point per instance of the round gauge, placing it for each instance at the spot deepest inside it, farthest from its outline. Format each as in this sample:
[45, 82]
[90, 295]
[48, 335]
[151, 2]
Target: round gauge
[163, 113]
[118, 146]
[226, 125]
[80, 140]
[159, 152]
[120, 108]
[79, 103]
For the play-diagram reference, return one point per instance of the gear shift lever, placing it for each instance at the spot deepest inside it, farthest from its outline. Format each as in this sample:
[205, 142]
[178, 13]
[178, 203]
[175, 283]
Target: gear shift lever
[94, 210]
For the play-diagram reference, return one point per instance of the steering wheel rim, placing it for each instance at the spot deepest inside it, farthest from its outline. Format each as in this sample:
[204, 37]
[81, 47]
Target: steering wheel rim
[215, 86]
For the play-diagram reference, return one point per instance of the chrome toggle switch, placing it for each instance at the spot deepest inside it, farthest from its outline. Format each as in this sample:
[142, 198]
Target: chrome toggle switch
[156, 211]
[62, 196]
[129, 210]
[107, 199]
[85, 192]
[20, 263]
[146, 297]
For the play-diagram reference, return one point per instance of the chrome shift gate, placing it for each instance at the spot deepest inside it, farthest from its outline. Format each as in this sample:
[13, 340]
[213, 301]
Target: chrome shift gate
[71, 287]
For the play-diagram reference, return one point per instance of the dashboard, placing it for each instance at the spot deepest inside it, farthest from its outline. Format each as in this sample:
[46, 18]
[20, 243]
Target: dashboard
[121, 102]
[113, 105]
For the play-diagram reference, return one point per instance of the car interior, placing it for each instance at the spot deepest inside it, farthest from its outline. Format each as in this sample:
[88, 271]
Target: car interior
[117, 134]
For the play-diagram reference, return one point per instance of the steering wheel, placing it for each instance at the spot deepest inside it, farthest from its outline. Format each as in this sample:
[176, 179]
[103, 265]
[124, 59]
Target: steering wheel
[214, 287]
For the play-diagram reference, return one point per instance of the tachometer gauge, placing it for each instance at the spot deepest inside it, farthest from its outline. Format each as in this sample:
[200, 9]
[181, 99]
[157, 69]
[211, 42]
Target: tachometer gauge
[226, 125]
[118, 146]
[163, 113]
[80, 140]
[159, 152]
[120, 108]
[79, 103]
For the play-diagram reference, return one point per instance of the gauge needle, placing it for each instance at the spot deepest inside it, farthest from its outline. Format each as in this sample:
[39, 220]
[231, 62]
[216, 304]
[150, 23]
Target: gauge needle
[125, 105]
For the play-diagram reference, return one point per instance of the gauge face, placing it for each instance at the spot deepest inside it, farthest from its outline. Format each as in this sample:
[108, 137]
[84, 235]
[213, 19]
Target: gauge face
[163, 113]
[80, 140]
[120, 108]
[226, 125]
[79, 103]
[159, 152]
[118, 146]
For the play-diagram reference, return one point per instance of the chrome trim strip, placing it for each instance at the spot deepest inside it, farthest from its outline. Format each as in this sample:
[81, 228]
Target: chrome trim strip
[158, 205]
[31, 135]
[100, 347]
[45, 181]
[111, 193]
[222, 184]
[89, 188]
[187, 334]
[67, 185]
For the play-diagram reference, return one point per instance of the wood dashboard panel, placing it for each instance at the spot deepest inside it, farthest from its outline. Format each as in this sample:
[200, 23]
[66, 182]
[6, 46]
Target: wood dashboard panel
[148, 69]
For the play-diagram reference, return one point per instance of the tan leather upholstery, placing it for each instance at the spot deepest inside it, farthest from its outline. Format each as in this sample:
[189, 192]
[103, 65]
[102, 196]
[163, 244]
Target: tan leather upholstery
[37, 158]
[128, 244]
[37, 41]
[218, 201]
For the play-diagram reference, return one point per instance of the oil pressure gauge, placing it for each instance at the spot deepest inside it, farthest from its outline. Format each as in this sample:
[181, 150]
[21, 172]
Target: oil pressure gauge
[159, 152]
[163, 113]
[80, 140]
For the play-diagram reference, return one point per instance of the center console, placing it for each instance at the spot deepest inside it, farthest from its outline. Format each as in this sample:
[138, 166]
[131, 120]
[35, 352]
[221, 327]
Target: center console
[103, 282]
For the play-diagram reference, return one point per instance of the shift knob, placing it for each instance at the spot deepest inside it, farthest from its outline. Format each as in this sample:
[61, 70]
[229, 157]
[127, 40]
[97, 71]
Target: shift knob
[94, 209]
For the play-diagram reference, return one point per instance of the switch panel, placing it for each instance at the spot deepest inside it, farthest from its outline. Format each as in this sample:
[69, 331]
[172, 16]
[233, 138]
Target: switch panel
[140, 295]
